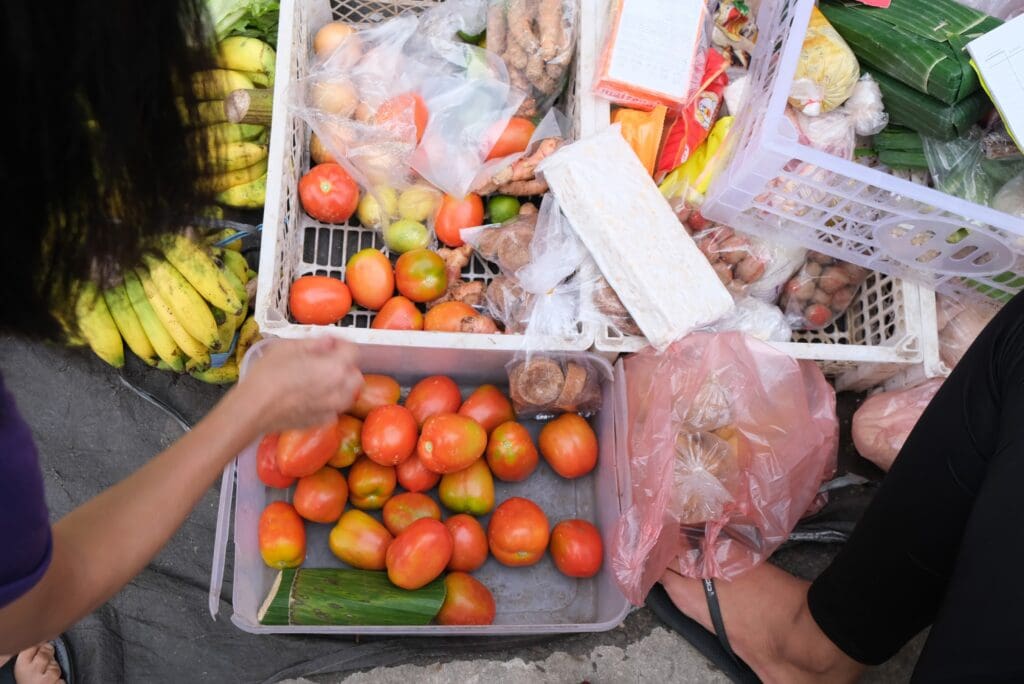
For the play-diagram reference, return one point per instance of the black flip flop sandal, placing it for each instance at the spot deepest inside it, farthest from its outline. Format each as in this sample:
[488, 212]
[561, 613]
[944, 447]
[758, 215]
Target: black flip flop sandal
[715, 648]
[61, 653]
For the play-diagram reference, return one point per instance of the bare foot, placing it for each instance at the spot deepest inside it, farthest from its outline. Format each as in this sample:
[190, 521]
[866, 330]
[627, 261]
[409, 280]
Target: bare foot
[768, 624]
[37, 665]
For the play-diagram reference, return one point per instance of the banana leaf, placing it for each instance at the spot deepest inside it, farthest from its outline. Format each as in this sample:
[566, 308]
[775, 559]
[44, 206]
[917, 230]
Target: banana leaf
[926, 115]
[903, 159]
[898, 138]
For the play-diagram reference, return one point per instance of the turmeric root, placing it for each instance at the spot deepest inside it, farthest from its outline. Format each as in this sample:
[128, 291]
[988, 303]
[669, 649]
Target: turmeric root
[520, 25]
[496, 28]
[549, 22]
[515, 57]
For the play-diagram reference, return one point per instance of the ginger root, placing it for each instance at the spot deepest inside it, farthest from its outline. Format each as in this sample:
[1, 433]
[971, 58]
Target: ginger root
[459, 290]
[508, 181]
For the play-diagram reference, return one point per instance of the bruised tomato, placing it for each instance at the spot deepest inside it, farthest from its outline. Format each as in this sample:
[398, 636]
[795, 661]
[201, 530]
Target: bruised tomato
[414, 476]
[328, 193]
[303, 452]
[419, 554]
[389, 434]
[360, 540]
[282, 536]
[454, 214]
[370, 484]
[569, 445]
[518, 532]
[350, 431]
[511, 453]
[470, 490]
[488, 406]
[466, 601]
[576, 548]
[469, 543]
[398, 313]
[420, 275]
[458, 317]
[433, 396]
[378, 390]
[450, 442]
[405, 110]
[370, 278]
[266, 464]
[319, 300]
[404, 509]
[321, 497]
[514, 138]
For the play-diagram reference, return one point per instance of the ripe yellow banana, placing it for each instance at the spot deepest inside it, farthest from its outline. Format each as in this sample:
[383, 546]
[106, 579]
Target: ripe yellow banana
[97, 326]
[223, 133]
[164, 345]
[197, 365]
[190, 309]
[235, 245]
[242, 53]
[206, 113]
[222, 182]
[250, 195]
[236, 155]
[248, 335]
[260, 79]
[216, 84]
[199, 269]
[224, 375]
[193, 348]
[236, 263]
[128, 324]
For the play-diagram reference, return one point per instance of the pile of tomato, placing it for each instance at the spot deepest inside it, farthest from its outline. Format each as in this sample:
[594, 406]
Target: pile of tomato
[435, 440]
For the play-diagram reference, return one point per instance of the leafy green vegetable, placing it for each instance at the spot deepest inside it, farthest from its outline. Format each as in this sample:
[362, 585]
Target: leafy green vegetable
[254, 18]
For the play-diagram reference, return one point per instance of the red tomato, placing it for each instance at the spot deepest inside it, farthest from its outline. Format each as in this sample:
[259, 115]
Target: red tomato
[511, 453]
[405, 110]
[420, 275]
[470, 490]
[433, 396]
[576, 548]
[414, 476]
[398, 313]
[378, 390]
[360, 541]
[370, 484]
[266, 464]
[419, 555]
[518, 532]
[466, 601]
[404, 509]
[321, 497]
[457, 317]
[319, 300]
[350, 430]
[282, 536]
[514, 138]
[450, 443]
[488, 406]
[389, 434]
[455, 214]
[370, 278]
[469, 543]
[569, 445]
[328, 193]
[303, 452]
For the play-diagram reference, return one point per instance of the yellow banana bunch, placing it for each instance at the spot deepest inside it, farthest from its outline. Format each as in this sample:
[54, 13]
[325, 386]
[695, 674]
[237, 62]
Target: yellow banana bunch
[97, 326]
[250, 56]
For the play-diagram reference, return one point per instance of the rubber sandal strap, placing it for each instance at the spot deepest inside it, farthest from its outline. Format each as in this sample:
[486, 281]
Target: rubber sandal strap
[715, 609]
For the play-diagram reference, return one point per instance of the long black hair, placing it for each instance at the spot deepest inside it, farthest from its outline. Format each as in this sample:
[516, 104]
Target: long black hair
[95, 155]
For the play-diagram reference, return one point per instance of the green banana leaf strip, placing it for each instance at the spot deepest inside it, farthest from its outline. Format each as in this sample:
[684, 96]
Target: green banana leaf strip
[935, 20]
[926, 115]
[903, 159]
[899, 138]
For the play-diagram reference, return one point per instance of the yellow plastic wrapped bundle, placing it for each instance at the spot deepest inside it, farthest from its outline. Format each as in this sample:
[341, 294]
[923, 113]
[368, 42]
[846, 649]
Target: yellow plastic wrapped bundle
[827, 70]
[692, 178]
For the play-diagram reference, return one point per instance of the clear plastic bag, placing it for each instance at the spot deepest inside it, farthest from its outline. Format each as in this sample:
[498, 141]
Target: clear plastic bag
[739, 260]
[545, 384]
[821, 291]
[516, 173]
[729, 442]
[756, 318]
[883, 422]
[1000, 9]
[1010, 197]
[507, 245]
[960, 323]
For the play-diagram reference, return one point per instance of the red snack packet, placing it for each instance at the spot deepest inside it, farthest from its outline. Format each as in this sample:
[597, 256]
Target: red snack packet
[692, 125]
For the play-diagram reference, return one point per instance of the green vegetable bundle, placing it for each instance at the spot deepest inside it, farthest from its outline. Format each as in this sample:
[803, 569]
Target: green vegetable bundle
[927, 115]
[252, 18]
[900, 148]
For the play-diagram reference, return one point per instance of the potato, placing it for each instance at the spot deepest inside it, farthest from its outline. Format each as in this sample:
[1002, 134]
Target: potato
[335, 97]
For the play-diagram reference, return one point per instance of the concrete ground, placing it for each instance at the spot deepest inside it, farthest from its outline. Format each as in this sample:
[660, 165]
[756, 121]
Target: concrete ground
[84, 419]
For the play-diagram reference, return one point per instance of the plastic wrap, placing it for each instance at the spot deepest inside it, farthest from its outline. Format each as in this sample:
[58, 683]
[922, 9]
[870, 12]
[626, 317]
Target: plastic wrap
[865, 107]
[959, 323]
[956, 167]
[826, 72]
[821, 291]
[729, 442]
[1010, 197]
[537, 40]
[756, 318]
[690, 180]
[692, 125]
[516, 173]
[883, 422]
[545, 384]
[1000, 9]
[642, 130]
[739, 260]
[783, 261]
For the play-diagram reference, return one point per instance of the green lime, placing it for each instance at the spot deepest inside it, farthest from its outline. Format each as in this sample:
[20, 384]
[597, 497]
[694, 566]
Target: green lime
[377, 206]
[405, 235]
[501, 208]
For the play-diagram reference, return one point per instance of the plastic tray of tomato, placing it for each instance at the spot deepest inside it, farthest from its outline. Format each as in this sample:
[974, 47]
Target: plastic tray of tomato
[529, 599]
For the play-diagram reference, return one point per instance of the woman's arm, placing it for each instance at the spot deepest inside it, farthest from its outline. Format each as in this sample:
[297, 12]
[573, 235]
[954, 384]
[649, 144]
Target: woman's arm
[102, 544]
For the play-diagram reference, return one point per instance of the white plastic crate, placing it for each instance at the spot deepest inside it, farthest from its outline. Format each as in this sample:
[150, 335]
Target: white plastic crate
[294, 244]
[773, 184]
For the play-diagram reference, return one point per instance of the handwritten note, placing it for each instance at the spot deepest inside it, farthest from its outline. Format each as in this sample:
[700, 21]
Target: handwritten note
[998, 57]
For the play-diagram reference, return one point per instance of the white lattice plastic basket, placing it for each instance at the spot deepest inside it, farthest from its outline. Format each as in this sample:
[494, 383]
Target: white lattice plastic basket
[774, 185]
[293, 244]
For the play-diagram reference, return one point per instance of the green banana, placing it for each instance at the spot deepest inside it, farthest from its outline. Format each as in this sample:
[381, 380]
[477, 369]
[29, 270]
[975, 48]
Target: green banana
[250, 195]
[128, 324]
[189, 307]
[216, 84]
[199, 269]
[193, 348]
[224, 375]
[222, 182]
[248, 335]
[242, 53]
[236, 155]
[97, 325]
[165, 346]
[223, 133]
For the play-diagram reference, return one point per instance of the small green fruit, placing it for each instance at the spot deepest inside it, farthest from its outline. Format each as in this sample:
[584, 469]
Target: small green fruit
[418, 203]
[405, 235]
[501, 208]
[377, 206]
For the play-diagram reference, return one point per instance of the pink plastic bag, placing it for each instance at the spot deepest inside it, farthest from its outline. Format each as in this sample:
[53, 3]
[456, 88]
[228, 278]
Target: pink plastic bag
[729, 441]
[883, 422]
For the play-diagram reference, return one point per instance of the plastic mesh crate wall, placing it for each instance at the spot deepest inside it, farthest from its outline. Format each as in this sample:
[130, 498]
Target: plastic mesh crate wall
[773, 185]
[294, 244]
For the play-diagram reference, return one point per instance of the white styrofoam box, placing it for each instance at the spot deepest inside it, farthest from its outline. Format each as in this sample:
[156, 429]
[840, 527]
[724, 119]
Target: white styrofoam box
[294, 244]
[529, 600]
[774, 185]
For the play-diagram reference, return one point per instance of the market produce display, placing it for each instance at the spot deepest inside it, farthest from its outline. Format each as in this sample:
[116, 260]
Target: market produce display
[411, 553]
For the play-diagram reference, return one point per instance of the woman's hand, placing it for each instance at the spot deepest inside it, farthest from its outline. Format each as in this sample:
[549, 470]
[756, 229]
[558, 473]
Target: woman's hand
[300, 383]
